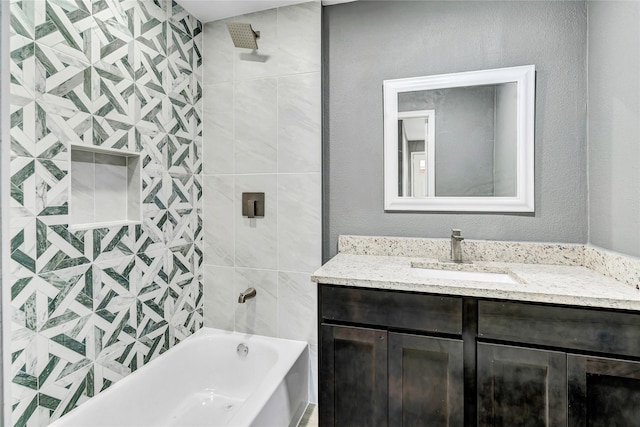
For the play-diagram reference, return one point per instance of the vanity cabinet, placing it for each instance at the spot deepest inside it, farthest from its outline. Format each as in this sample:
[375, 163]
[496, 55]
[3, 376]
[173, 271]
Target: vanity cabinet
[396, 358]
[373, 375]
[376, 371]
[581, 374]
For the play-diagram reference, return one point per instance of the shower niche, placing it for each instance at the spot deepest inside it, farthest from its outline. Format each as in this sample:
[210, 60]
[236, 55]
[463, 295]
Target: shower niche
[105, 187]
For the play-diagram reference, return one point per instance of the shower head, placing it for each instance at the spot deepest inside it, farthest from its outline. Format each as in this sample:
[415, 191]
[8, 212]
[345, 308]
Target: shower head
[243, 35]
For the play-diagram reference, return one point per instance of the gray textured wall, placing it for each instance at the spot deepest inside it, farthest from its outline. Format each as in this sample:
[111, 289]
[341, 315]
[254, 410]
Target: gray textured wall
[614, 125]
[366, 42]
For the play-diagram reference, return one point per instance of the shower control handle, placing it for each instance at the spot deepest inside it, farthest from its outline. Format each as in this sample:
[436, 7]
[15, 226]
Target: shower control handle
[252, 204]
[251, 208]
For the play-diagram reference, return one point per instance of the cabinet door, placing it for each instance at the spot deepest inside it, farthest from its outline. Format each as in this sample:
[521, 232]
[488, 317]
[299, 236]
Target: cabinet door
[425, 381]
[521, 387]
[603, 392]
[353, 372]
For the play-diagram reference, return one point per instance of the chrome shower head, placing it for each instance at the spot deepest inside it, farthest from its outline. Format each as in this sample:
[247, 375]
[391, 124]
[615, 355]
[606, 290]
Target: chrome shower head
[243, 35]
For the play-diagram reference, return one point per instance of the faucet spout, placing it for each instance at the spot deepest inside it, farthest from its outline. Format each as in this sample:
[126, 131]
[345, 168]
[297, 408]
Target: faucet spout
[456, 245]
[248, 294]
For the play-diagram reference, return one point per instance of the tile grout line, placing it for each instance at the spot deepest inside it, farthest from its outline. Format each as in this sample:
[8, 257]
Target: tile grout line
[278, 219]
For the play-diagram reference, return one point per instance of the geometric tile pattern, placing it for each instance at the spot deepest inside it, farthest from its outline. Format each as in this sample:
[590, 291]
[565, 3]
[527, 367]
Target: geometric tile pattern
[88, 307]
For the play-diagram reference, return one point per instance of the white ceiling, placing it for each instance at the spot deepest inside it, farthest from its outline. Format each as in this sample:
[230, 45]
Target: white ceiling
[212, 10]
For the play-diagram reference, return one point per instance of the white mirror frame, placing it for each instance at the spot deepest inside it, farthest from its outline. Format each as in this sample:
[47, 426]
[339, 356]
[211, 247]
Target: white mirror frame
[524, 76]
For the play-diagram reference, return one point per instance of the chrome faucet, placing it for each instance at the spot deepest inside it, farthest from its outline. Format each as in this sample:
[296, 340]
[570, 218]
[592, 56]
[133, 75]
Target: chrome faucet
[456, 245]
[248, 294]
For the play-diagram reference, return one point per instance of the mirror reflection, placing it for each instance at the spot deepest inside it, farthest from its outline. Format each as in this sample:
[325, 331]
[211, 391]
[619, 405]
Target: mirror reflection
[458, 141]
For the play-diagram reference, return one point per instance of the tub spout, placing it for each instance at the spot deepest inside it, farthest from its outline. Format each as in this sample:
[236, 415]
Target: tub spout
[248, 294]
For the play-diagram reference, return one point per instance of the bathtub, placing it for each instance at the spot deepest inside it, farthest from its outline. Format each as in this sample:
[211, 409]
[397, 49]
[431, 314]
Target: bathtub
[207, 380]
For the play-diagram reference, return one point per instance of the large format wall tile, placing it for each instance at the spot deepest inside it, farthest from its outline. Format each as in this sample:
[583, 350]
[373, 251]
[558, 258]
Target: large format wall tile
[90, 306]
[218, 54]
[220, 297]
[299, 38]
[299, 222]
[297, 302]
[256, 126]
[219, 220]
[299, 123]
[218, 129]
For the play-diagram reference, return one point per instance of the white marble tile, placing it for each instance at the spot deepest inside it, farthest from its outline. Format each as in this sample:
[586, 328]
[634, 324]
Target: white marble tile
[218, 129]
[219, 297]
[264, 61]
[300, 123]
[256, 127]
[218, 219]
[297, 307]
[82, 187]
[299, 222]
[218, 52]
[111, 188]
[299, 37]
[255, 238]
[257, 315]
[134, 188]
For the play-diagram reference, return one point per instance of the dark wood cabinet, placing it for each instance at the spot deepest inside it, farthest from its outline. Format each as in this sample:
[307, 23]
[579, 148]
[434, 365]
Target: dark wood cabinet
[372, 377]
[392, 358]
[354, 375]
[521, 387]
[603, 392]
[425, 381]
[380, 363]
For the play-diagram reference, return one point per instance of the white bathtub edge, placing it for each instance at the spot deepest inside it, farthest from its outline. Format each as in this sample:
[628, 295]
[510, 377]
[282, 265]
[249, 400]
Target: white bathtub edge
[290, 353]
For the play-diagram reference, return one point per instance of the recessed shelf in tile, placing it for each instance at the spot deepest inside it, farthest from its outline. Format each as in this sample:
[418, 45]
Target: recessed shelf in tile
[105, 187]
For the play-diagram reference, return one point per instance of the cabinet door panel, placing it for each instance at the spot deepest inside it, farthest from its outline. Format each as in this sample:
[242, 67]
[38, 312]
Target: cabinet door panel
[353, 369]
[425, 381]
[521, 387]
[603, 392]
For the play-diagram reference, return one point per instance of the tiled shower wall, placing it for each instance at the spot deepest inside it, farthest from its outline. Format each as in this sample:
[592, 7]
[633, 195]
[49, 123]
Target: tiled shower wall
[88, 307]
[262, 118]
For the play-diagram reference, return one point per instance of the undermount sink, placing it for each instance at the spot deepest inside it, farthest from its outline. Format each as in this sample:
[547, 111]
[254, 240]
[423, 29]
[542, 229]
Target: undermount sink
[476, 276]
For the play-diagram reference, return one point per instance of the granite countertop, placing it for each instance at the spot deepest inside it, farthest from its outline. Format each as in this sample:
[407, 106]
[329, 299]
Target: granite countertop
[565, 284]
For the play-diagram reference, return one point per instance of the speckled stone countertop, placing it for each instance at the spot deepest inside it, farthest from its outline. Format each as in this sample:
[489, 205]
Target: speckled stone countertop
[547, 273]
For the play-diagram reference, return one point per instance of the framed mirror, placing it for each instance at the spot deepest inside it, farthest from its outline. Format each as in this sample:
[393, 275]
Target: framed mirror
[460, 142]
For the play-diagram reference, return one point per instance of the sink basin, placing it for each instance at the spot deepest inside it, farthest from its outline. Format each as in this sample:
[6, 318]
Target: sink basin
[476, 276]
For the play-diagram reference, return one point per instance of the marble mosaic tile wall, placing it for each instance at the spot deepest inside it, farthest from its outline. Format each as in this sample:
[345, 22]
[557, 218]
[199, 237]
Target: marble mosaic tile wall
[88, 307]
[262, 115]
